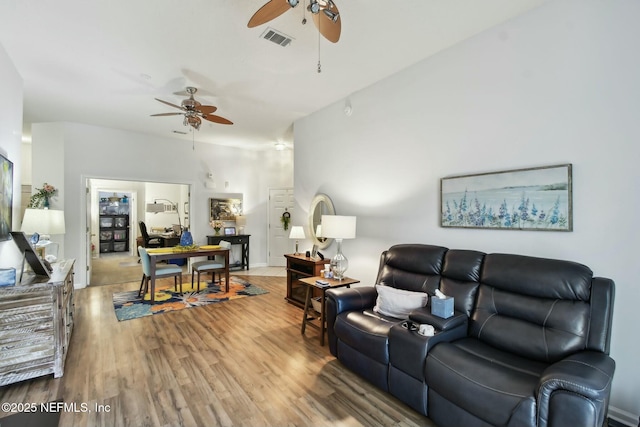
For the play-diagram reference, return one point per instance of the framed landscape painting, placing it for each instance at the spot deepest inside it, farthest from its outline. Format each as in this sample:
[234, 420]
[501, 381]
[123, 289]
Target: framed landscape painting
[523, 199]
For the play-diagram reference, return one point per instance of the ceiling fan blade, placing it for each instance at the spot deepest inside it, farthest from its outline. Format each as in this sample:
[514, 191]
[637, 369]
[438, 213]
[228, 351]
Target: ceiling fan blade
[167, 114]
[169, 104]
[217, 119]
[270, 10]
[330, 30]
[206, 109]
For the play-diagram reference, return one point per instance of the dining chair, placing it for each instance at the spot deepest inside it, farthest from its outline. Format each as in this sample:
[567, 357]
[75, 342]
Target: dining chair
[161, 272]
[217, 264]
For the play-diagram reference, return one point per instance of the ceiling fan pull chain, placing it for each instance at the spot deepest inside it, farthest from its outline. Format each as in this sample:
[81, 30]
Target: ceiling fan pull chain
[304, 13]
[319, 65]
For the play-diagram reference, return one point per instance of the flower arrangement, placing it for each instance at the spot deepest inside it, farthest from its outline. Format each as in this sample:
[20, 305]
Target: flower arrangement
[42, 195]
[217, 225]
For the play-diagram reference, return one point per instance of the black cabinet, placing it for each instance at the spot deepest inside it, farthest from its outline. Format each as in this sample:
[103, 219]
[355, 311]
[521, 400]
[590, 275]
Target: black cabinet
[240, 239]
[301, 267]
[114, 222]
[114, 233]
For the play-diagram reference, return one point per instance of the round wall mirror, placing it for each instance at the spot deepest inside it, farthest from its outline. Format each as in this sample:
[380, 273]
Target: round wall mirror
[320, 205]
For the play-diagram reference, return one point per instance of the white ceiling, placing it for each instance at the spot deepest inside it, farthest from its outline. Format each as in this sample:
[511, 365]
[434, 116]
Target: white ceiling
[103, 62]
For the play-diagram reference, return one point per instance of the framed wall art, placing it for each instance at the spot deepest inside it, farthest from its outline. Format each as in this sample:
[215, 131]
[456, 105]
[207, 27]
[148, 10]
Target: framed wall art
[537, 198]
[6, 197]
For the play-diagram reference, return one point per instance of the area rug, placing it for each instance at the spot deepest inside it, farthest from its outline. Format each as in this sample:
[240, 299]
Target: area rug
[129, 306]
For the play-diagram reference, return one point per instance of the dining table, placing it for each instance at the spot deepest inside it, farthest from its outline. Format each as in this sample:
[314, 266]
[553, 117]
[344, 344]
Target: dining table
[178, 252]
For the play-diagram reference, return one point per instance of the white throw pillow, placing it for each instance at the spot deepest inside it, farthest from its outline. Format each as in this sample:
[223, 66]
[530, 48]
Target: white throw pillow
[398, 303]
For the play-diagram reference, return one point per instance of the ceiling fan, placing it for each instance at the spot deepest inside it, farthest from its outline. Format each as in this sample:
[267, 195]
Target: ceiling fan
[193, 111]
[326, 16]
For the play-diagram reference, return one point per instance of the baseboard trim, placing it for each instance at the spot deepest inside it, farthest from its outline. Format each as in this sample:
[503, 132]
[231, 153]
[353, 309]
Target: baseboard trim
[623, 417]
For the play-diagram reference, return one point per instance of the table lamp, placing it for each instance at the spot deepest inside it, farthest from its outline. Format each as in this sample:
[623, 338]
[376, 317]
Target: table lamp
[241, 221]
[297, 232]
[339, 227]
[45, 222]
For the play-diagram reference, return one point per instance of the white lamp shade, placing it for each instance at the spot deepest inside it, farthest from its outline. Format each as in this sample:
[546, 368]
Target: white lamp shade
[43, 221]
[241, 220]
[338, 226]
[155, 207]
[297, 232]
[319, 231]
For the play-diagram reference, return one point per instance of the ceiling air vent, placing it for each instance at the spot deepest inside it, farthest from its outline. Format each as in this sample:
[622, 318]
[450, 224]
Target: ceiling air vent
[276, 37]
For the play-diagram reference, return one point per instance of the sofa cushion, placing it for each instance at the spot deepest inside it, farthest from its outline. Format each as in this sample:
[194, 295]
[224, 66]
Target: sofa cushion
[542, 329]
[461, 277]
[495, 386]
[366, 332]
[412, 267]
[534, 307]
[398, 303]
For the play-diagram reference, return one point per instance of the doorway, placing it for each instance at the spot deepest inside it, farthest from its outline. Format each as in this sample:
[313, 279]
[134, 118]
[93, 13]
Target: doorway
[280, 201]
[106, 262]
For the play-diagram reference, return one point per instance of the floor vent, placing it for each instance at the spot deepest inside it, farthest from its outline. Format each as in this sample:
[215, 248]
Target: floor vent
[276, 37]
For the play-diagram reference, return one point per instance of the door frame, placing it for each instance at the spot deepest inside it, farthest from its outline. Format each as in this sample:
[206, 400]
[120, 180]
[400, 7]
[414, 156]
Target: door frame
[269, 225]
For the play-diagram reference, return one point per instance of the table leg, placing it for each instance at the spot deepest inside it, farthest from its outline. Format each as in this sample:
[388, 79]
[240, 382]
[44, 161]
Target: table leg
[226, 270]
[247, 257]
[152, 297]
[307, 302]
[322, 327]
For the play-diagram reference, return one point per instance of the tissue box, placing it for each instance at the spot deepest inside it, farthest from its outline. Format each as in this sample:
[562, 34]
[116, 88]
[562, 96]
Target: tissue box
[7, 276]
[442, 307]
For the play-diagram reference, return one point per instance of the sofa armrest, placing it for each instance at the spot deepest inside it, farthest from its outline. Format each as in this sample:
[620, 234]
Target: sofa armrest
[340, 300]
[349, 299]
[423, 315]
[582, 381]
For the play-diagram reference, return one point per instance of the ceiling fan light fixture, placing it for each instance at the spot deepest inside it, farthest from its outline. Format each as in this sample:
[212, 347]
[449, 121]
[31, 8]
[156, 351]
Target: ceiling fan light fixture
[293, 3]
[314, 6]
[193, 121]
[333, 16]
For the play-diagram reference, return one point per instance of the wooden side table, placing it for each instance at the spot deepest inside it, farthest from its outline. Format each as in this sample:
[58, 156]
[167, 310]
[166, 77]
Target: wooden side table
[311, 283]
[300, 267]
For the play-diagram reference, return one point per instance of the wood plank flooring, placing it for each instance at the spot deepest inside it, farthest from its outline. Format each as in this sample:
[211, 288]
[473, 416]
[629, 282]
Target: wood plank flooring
[239, 363]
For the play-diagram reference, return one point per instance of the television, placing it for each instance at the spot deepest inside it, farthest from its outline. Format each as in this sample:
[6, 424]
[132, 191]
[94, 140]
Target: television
[6, 198]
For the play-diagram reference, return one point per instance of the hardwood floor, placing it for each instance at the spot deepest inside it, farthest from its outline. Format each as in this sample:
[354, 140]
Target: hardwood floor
[239, 363]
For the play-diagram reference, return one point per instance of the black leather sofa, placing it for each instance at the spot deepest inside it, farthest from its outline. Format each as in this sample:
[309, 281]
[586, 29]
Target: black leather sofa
[528, 344]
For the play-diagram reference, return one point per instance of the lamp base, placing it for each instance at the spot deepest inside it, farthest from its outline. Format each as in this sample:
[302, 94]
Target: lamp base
[339, 262]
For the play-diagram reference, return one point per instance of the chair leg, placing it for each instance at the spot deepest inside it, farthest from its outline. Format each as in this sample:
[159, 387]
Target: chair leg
[198, 280]
[181, 283]
[141, 285]
[146, 286]
[192, 273]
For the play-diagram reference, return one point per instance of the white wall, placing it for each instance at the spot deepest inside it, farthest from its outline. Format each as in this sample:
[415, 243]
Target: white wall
[557, 85]
[10, 139]
[173, 193]
[95, 152]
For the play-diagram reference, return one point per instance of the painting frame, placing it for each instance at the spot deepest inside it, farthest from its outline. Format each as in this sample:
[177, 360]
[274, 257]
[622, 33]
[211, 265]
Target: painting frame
[229, 231]
[533, 199]
[6, 198]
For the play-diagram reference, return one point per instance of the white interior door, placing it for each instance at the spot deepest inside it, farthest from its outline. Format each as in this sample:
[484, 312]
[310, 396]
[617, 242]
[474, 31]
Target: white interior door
[280, 200]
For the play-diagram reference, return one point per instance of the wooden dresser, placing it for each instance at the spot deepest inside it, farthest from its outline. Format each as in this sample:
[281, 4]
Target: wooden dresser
[299, 267]
[36, 321]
